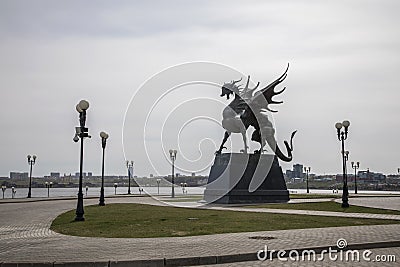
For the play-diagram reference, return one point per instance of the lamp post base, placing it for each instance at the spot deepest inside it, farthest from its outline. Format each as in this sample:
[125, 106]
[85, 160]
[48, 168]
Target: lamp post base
[79, 209]
[345, 198]
[345, 205]
[101, 201]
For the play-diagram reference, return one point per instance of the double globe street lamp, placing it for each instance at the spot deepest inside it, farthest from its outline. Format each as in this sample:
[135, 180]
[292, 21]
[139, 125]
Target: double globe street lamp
[48, 185]
[103, 137]
[129, 166]
[3, 188]
[355, 166]
[342, 136]
[80, 133]
[307, 170]
[172, 155]
[115, 188]
[31, 162]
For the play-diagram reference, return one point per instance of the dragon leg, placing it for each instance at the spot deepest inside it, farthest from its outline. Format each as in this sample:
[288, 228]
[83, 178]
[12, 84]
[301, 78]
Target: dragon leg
[245, 142]
[226, 136]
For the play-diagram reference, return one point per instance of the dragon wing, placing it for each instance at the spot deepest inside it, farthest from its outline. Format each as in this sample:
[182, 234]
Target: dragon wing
[263, 97]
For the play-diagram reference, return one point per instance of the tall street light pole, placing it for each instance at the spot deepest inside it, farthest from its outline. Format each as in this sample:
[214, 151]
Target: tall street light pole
[307, 170]
[115, 188]
[48, 185]
[129, 165]
[172, 155]
[342, 136]
[81, 133]
[355, 166]
[3, 188]
[31, 162]
[346, 159]
[103, 137]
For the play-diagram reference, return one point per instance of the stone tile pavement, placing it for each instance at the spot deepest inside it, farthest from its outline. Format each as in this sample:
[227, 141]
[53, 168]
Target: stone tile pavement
[25, 237]
[392, 203]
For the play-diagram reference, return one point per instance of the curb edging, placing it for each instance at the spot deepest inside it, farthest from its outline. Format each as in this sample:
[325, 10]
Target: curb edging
[193, 261]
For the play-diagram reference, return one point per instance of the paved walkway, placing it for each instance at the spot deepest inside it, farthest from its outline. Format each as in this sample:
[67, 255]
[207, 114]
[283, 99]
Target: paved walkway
[25, 236]
[392, 203]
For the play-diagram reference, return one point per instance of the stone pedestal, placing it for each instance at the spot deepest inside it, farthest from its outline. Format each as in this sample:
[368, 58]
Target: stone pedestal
[245, 178]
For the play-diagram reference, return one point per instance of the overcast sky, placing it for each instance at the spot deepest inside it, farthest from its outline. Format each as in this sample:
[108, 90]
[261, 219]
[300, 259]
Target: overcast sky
[344, 58]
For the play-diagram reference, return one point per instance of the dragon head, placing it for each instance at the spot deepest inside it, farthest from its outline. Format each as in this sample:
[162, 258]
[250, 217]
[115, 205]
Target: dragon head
[230, 88]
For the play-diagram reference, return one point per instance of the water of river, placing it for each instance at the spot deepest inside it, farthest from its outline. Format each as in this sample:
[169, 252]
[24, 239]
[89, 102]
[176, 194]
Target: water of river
[109, 191]
[95, 191]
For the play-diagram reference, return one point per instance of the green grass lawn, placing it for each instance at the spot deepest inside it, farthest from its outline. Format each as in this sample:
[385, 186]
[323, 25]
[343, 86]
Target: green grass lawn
[136, 220]
[312, 196]
[326, 206]
[188, 198]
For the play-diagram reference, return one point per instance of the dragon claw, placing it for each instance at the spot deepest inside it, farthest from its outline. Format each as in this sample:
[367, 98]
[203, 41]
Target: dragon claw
[220, 150]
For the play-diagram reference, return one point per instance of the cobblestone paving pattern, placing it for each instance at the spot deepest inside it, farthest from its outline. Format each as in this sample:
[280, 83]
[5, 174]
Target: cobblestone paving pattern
[25, 236]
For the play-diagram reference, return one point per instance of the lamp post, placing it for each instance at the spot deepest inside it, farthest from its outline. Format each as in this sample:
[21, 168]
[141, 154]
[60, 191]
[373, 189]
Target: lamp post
[158, 186]
[172, 155]
[184, 187]
[115, 188]
[103, 137]
[81, 133]
[48, 185]
[307, 170]
[31, 162]
[129, 166]
[342, 136]
[3, 188]
[355, 166]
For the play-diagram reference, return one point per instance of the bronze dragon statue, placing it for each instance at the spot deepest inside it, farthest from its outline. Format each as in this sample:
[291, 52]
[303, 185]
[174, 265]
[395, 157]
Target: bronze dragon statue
[250, 108]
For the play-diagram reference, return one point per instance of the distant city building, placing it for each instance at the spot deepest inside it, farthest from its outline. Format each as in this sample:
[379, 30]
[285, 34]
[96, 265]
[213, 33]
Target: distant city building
[151, 175]
[371, 177]
[89, 174]
[54, 175]
[364, 177]
[297, 172]
[193, 174]
[18, 175]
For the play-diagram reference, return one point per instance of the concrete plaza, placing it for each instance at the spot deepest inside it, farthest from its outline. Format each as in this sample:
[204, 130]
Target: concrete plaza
[25, 237]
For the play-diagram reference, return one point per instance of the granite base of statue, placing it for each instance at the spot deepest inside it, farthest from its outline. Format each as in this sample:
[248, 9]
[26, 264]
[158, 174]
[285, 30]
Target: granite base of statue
[245, 178]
